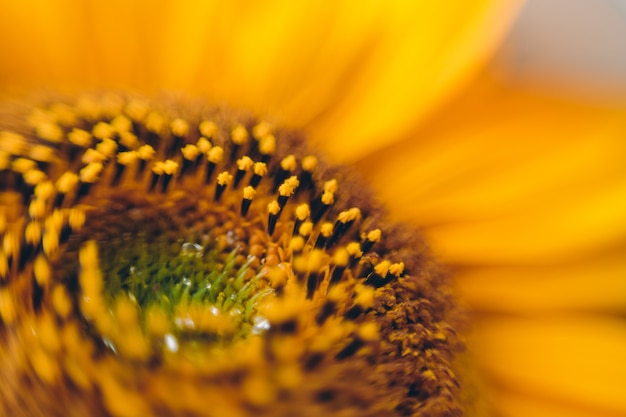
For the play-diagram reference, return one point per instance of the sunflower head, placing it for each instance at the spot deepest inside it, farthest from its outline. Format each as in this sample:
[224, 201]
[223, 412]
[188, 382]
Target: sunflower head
[182, 259]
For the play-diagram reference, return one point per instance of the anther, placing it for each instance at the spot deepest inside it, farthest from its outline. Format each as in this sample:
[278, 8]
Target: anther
[260, 170]
[223, 179]
[214, 157]
[248, 195]
[191, 156]
[287, 166]
[244, 164]
[273, 209]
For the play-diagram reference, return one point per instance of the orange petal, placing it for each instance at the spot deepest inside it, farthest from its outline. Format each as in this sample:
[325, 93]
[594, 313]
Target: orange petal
[424, 51]
[344, 69]
[593, 283]
[574, 362]
[504, 176]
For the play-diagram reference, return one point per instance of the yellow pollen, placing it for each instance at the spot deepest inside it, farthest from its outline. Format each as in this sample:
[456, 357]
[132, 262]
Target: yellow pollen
[54, 221]
[365, 296]
[32, 233]
[155, 122]
[382, 268]
[170, 167]
[50, 242]
[92, 155]
[239, 134]
[267, 145]
[179, 127]
[289, 163]
[344, 217]
[22, 165]
[296, 243]
[10, 244]
[354, 249]
[244, 163]
[50, 132]
[42, 153]
[328, 198]
[80, 137]
[330, 186]
[41, 270]
[208, 129]
[326, 229]
[63, 114]
[287, 188]
[158, 168]
[260, 168]
[91, 172]
[107, 147]
[76, 218]
[309, 163]
[354, 213]
[61, 301]
[306, 228]
[129, 140]
[8, 310]
[34, 177]
[127, 158]
[261, 130]
[368, 331]
[224, 178]
[204, 145]
[122, 124]
[396, 269]
[67, 182]
[341, 257]
[37, 208]
[314, 261]
[374, 235]
[249, 193]
[5, 161]
[137, 109]
[146, 152]
[303, 212]
[103, 130]
[13, 143]
[45, 190]
[273, 207]
[190, 152]
[216, 154]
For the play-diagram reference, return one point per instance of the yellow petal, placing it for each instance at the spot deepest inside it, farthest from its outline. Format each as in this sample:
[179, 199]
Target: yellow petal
[508, 403]
[592, 283]
[425, 51]
[355, 70]
[576, 362]
[504, 176]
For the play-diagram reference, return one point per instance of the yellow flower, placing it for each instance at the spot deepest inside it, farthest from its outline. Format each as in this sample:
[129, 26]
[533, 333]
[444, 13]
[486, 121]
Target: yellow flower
[521, 194]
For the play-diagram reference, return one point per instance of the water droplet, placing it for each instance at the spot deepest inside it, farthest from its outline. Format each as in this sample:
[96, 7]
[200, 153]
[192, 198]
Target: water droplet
[171, 342]
[191, 249]
[260, 324]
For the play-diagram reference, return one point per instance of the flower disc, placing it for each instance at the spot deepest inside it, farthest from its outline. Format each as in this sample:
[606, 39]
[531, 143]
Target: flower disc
[177, 259]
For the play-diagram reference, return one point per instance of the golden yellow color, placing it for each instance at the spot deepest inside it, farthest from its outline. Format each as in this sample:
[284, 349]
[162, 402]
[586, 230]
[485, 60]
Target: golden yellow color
[524, 195]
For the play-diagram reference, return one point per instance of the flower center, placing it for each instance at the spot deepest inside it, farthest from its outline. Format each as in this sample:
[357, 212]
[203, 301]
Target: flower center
[154, 244]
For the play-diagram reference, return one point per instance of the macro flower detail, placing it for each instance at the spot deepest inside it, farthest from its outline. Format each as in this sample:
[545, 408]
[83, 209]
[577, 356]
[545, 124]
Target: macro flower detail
[169, 258]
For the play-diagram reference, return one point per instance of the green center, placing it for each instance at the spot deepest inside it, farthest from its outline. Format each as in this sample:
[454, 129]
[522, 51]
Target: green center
[208, 297]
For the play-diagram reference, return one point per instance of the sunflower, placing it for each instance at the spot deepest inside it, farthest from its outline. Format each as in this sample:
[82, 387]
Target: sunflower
[518, 204]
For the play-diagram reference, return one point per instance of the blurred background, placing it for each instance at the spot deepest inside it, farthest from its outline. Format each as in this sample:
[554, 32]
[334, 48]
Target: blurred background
[574, 46]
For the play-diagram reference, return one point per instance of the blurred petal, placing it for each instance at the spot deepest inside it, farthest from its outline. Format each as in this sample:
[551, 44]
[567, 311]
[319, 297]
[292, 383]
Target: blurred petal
[504, 176]
[576, 362]
[593, 283]
[359, 71]
[425, 51]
